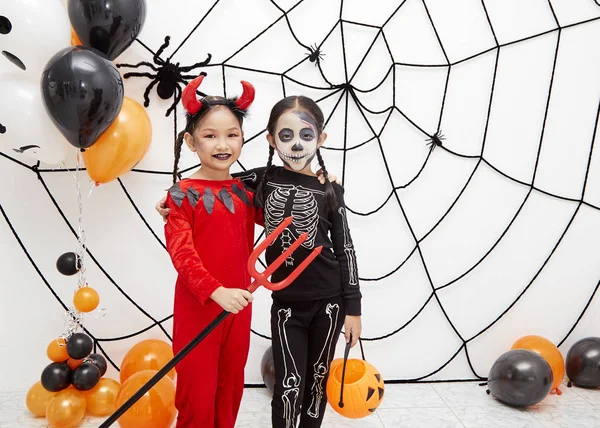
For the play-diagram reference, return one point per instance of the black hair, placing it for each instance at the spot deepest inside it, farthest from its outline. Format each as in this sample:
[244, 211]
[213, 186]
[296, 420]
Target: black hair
[192, 121]
[309, 106]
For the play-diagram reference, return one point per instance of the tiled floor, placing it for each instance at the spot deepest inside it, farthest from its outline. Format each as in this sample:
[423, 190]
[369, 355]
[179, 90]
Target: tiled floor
[440, 405]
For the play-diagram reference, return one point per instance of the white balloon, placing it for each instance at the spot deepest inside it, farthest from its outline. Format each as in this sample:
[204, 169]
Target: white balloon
[26, 130]
[31, 32]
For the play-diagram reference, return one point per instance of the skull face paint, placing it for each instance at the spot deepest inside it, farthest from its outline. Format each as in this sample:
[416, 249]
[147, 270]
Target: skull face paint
[296, 139]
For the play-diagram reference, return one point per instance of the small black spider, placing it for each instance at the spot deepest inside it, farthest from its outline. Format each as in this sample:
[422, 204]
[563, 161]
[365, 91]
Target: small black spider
[436, 140]
[168, 76]
[314, 54]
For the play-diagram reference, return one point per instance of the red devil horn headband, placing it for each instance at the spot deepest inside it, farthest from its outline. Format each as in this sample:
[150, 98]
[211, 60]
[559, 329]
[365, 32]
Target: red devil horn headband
[192, 105]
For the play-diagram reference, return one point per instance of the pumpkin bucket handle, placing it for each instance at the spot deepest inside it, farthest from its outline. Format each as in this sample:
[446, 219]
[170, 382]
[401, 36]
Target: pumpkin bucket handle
[346, 353]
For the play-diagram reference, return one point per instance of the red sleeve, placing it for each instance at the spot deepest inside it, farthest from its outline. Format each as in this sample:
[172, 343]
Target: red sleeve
[180, 245]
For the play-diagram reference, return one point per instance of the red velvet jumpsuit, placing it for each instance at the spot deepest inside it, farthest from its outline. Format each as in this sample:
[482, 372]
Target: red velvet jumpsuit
[209, 235]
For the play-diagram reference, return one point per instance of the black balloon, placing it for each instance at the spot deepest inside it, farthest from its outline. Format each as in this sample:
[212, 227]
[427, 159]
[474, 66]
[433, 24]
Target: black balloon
[110, 26]
[520, 378]
[56, 377]
[100, 362]
[68, 264]
[267, 369]
[79, 346]
[583, 363]
[83, 94]
[85, 377]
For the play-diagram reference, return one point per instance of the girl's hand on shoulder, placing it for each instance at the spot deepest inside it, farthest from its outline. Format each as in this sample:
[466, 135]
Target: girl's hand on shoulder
[161, 207]
[332, 177]
[352, 328]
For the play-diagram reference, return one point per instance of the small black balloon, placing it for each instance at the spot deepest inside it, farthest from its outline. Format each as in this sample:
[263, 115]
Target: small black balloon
[520, 378]
[56, 377]
[68, 264]
[110, 26]
[79, 346]
[100, 362]
[583, 363]
[83, 94]
[267, 369]
[85, 377]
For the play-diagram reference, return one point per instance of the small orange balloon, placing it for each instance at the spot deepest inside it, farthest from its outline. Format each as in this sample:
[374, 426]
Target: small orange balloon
[74, 363]
[156, 408]
[101, 400]
[549, 352]
[57, 350]
[66, 409]
[86, 299]
[121, 146]
[38, 398]
[150, 354]
[75, 39]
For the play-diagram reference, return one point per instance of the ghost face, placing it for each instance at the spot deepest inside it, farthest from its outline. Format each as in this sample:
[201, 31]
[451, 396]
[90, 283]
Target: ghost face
[296, 139]
[31, 31]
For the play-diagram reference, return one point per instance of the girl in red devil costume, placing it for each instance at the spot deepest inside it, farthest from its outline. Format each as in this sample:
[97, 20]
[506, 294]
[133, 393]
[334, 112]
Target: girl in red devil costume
[209, 236]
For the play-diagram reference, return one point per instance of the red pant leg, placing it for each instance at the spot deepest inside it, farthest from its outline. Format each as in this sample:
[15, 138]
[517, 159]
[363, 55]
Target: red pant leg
[234, 354]
[197, 373]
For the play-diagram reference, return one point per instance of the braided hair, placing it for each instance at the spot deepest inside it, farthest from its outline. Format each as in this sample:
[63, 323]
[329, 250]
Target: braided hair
[309, 106]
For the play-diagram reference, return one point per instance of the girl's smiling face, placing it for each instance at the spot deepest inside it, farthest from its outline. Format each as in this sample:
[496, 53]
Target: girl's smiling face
[217, 139]
[296, 139]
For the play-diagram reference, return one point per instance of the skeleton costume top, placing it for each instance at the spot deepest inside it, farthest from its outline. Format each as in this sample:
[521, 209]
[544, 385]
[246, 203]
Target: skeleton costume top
[334, 271]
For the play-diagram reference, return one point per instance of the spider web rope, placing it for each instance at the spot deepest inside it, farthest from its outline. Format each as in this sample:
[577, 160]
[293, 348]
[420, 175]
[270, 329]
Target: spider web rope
[349, 93]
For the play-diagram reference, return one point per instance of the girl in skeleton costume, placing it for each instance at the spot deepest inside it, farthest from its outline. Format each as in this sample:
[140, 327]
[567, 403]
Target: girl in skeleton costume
[307, 316]
[209, 236]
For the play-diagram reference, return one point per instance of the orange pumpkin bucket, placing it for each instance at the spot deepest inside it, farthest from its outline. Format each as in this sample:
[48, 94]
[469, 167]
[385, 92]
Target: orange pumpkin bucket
[354, 387]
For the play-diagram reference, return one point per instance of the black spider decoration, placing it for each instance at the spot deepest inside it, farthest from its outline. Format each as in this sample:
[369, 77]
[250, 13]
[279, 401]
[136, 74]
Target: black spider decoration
[169, 76]
[436, 140]
[314, 54]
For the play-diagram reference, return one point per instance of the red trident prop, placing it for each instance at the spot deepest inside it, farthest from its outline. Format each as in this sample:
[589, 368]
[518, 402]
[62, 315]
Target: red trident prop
[259, 279]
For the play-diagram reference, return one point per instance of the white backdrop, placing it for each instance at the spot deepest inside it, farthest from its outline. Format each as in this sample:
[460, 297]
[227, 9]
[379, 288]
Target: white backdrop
[491, 240]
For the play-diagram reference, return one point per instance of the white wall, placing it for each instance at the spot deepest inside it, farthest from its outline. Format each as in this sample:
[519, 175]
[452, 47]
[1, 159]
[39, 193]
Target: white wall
[474, 226]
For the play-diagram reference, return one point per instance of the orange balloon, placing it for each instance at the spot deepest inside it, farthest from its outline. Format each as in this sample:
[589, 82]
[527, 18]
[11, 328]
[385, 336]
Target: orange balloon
[75, 39]
[57, 350]
[38, 398]
[121, 146]
[101, 400]
[74, 363]
[86, 299]
[66, 409]
[156, 408]
[150, 354]
[549, 352]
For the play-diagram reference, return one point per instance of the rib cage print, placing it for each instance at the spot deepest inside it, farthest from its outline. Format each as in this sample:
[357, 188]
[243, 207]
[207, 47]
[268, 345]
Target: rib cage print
[304, 210]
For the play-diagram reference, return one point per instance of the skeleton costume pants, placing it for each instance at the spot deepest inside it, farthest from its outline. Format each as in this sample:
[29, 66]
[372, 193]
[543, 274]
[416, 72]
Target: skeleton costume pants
[304, 337]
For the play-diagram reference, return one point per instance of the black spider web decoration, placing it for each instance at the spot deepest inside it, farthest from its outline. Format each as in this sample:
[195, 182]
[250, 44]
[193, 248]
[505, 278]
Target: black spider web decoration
[346, 91]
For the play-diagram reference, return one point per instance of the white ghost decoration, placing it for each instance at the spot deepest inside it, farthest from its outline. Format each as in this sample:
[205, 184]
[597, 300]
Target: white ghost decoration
[26, 130]
[31, 32]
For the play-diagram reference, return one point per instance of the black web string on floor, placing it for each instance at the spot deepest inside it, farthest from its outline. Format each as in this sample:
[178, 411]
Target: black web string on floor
[347, 93]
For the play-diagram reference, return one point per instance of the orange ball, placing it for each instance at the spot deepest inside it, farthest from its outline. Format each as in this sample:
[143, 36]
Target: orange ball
[150, 354]
[66, 409]
[102, 399]
[57, 350]
[156, 408]
[549, 352]
[38, 398]
[86, 299]
[74, 363]
[75, 39]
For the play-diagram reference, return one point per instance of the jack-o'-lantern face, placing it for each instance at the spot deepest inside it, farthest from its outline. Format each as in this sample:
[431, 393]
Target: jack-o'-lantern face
[362, 390]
